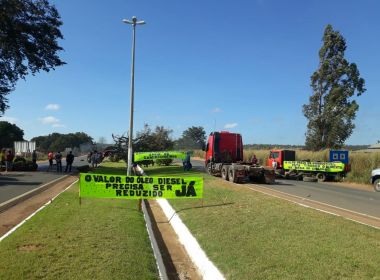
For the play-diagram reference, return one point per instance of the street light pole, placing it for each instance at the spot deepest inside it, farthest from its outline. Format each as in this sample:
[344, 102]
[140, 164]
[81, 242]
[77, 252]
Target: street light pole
[134, 22]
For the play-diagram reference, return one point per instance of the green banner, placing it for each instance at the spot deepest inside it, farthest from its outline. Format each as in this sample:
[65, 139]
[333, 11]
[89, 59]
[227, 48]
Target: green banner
[333, 167]
[139, 156]
[139, 187]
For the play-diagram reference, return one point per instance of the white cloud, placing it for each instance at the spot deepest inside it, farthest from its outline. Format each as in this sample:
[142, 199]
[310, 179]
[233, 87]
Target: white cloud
[216, 110]
[58, 125]
[230, 125]
[52, 107]
[9, 119]
[49, 120]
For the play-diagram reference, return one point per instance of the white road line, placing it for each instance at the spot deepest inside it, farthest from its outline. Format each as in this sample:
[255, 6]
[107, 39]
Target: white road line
[314, 201]
[34, 213]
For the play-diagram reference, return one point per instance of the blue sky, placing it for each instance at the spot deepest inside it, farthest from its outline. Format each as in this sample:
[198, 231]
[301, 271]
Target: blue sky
[242, 66]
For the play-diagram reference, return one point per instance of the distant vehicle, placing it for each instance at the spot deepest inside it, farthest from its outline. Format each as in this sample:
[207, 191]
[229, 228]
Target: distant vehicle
[224, 157]
[375, 179]
[285, 165]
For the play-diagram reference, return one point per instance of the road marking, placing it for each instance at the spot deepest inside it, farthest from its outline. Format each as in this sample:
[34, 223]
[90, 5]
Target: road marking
[281, 195]
[34, 213]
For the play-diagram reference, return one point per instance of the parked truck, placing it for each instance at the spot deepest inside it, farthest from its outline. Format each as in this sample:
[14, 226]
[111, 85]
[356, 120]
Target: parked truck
[224, 158]
[285, 165]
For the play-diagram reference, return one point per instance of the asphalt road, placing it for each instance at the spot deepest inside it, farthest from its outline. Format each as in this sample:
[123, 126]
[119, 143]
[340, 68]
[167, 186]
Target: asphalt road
[361, 201]
[339, 195]
[16, 183]
[366, 202]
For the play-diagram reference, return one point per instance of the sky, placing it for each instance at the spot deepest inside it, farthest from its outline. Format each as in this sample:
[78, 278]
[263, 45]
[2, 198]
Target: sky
[240, 66]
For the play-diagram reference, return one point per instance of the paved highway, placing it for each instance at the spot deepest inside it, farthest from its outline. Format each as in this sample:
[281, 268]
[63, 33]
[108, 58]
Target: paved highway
[362, 201]
[16, 183]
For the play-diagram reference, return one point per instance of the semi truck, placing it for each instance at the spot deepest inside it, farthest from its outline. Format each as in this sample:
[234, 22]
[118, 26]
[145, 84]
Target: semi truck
[286, 166]
[224, 158]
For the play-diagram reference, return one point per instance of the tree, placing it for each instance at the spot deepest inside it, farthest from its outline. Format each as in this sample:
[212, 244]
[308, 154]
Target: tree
[145, 141]
[59, 142]
[10, 133]
[192, 138]
[332, 108]
[29, 30]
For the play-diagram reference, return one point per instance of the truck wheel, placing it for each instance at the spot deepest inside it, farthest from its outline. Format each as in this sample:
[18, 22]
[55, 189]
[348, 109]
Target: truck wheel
[209, 168]
[321, 177]
[225, 172]
[376, 185]
[232, 175]
[309, 179]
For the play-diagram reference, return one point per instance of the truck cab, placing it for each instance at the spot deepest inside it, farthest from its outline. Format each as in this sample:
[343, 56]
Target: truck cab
[279, 156]
[224, 147]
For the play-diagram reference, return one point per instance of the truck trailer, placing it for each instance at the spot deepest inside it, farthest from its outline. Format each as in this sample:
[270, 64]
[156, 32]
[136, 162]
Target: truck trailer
[224, 158]
[286, 166]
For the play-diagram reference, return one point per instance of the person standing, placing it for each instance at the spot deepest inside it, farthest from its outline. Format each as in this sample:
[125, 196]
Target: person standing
[8, 161]
[2, 158]
[50, 158]
[34, 156]
[186, 162]
[69, 161]
[254, 160]
[58, 161]
[94, 159]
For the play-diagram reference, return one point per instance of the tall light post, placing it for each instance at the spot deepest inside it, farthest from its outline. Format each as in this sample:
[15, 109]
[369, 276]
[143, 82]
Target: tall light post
[134, 22]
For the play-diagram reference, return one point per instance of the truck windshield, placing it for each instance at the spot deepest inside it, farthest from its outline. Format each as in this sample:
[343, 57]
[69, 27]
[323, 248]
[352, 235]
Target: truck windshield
[274, 154]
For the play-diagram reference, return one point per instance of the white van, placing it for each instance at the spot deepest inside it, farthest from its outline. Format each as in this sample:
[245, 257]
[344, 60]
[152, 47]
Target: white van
[375, 179]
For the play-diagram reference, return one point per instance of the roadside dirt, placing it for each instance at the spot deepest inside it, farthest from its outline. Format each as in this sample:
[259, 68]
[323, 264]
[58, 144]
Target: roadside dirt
[178, 264]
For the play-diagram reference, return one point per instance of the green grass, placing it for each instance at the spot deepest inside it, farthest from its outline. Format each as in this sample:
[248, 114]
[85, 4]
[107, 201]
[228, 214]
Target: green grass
[249, 235]
[99, 239]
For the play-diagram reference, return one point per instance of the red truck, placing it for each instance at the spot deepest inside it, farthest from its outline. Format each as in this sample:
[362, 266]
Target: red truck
[224, 157]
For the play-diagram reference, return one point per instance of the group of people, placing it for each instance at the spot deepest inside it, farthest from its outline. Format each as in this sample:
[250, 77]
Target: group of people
[6, 159]
[58, 161]
[94, 158]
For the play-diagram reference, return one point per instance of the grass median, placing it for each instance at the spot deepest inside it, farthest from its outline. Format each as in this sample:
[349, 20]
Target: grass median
[99, 239]
[249, 235]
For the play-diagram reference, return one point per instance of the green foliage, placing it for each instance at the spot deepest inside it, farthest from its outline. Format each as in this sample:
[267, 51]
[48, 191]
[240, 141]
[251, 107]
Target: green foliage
[21, 164]
[29, 33]
[332, 109]
[192, 138]
[59, 142]
[10, 133]
[145, 141]
[165, 162]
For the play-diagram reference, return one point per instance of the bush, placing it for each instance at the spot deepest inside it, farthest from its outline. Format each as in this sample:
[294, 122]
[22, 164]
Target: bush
[165, 162]
[24, 165]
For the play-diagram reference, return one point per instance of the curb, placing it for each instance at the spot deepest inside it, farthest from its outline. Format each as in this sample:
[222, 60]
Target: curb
[205, 267]
[12, 202]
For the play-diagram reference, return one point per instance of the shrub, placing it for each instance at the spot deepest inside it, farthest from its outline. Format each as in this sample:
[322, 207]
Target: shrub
[165, 162]
[24, 165]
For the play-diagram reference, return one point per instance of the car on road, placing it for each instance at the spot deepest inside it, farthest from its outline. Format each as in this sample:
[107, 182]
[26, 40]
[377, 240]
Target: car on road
[375, 179]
